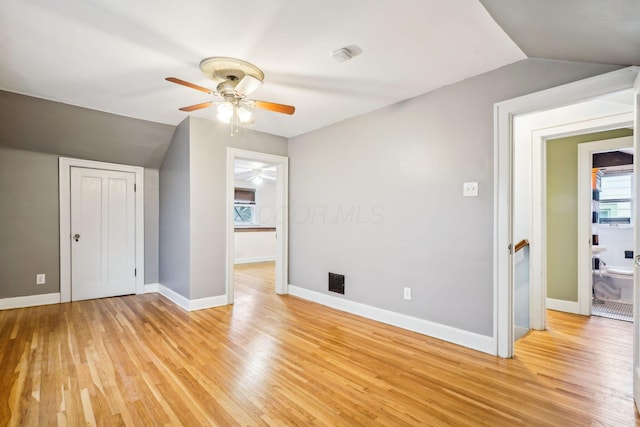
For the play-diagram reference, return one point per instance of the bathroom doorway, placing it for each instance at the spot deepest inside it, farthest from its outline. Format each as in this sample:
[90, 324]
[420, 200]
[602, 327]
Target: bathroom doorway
[535, 136]
[607, 188]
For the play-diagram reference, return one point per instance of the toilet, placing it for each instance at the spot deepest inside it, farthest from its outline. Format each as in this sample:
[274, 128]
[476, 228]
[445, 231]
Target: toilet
[612, 283]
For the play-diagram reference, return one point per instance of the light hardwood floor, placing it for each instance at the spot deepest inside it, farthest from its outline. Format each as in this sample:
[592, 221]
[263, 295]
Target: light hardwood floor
[272, 360]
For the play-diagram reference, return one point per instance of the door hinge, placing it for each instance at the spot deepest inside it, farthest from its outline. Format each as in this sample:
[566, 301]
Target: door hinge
[511, 248]
[135, 187]
[135, 272]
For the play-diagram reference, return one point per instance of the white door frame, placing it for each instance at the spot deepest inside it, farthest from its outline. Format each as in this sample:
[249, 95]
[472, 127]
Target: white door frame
[585, 164]
[282, 216]
[504, 113]
[65, 165]
[538, 278]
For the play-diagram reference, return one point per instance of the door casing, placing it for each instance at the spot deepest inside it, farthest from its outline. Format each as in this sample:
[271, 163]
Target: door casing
[65, 164]
[504, 114]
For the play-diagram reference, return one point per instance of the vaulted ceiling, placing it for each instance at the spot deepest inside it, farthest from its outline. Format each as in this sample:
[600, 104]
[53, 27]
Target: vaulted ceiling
[113, 55]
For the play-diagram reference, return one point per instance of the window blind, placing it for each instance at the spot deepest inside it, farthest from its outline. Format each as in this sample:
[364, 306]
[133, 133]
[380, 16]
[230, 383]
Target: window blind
[245, 195]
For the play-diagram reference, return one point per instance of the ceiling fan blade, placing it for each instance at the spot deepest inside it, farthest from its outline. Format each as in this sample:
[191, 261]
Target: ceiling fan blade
[191, 85]
[247, 85]
[196, 107]
[278, 108]
[272, 178]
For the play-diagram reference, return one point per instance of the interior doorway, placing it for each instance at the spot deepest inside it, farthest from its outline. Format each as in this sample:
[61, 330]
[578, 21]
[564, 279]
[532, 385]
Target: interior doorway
[606, 187]
[506, 114]
[257, 215]
[532, 218]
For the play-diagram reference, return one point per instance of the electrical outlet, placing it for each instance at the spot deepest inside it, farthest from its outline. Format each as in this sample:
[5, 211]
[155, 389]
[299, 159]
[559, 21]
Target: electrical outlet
[41, 279]
[407, 293]
[470, 189]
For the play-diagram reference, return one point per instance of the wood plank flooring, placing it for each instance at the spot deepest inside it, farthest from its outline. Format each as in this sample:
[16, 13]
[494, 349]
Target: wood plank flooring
[280, 360]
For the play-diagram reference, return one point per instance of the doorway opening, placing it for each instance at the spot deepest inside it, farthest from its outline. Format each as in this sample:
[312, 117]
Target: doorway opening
[506, 114]
[608, 195]
[254, 220]
[545, 209]
[257, 220]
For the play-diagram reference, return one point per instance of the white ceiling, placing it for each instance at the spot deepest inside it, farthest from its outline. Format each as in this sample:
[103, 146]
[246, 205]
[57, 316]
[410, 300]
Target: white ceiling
[113, 55]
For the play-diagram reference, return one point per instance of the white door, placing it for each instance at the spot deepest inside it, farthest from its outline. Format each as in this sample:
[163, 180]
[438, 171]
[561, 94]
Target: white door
[636, 216]
[102, 233]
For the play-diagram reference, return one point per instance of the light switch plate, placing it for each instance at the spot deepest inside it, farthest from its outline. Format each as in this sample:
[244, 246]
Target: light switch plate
[470, 189]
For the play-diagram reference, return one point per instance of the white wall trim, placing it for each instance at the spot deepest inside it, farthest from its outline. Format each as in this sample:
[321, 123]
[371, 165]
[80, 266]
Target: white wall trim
[65, 164]
[254, 259]
[193, 304]
[29, 301]
[150, 288]
[562, 305]
[282, 217]
[504, 113]
[461, 337]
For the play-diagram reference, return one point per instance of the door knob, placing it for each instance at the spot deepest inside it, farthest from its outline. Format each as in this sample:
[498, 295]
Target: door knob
[77, 237]
[637, 260]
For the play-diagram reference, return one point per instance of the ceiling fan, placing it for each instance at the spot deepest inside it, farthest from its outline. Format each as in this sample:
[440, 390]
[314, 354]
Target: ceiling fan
[257, 176]
[236, 80]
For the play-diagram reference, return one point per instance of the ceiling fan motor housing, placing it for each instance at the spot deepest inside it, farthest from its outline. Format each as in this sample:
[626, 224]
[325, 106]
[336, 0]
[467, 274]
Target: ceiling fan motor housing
[221, 69]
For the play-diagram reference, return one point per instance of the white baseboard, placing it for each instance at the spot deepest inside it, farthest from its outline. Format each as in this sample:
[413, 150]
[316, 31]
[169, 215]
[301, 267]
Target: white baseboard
[254, 259]
[29, 301]
[150, 288]
[461, 337]
[193, 304]
[562, 305]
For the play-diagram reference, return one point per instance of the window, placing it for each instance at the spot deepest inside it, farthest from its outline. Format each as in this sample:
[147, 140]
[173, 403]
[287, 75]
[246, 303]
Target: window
[244, 206]
[615, 198]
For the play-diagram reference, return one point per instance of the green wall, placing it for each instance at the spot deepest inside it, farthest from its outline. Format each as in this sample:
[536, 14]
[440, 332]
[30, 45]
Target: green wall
[562, 212]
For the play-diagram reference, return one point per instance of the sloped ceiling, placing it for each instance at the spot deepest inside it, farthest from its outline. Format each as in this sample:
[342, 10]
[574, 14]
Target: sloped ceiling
[112, 56]
[34, 124]
[601, 31]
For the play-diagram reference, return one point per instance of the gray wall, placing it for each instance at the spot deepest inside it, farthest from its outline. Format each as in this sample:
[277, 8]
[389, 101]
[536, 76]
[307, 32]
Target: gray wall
[52, 130]
[193, 204]
[151, 224]
[379, 198]
[29, 223]
[174, 205]
[208, 151]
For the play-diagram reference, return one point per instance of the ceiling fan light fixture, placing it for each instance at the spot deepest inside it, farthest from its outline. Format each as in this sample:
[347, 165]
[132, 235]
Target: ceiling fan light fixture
[236, 80]
[225, 112]
[244, 115]
[247, 85]
[257, 180]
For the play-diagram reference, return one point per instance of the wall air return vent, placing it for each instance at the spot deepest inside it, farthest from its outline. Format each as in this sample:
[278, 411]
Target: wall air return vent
[336, 283]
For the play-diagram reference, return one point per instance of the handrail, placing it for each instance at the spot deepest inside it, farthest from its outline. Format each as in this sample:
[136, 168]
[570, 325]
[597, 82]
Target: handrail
[521, 244]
